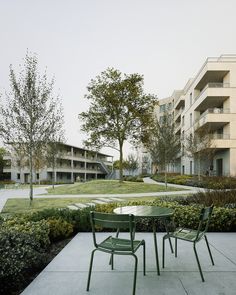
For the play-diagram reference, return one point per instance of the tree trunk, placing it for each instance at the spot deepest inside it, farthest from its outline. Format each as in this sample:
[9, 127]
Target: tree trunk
[53, 174]
[31, 176]
[199, 169]
[121, 164]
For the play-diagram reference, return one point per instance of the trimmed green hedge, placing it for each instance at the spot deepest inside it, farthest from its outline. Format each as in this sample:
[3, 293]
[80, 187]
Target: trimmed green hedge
[210, 182]
[20, 253]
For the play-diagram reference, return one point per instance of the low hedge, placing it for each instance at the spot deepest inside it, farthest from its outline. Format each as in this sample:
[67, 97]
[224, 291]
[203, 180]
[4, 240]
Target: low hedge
[223, 219]
[210, 182]
[20, 253]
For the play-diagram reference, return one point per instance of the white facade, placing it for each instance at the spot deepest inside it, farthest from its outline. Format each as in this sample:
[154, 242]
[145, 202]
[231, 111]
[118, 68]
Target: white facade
[208, 102]
[74, 163]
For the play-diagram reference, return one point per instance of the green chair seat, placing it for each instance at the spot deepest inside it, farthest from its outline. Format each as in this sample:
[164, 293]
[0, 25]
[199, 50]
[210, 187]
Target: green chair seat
[191, 235]
[117, 244]
[114, 245]
[186, 234]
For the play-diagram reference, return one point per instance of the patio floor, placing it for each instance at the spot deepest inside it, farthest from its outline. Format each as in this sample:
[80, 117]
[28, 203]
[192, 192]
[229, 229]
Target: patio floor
[67, 273]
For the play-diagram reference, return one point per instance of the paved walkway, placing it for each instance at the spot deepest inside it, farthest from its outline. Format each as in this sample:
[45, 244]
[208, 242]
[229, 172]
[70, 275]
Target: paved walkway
[41, 192]
[67, 273]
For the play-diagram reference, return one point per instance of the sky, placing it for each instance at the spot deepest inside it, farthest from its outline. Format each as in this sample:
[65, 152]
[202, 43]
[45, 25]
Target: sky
[166, 41]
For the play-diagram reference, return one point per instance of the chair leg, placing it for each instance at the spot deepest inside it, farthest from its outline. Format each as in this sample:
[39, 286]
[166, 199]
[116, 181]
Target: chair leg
[90, 269]
[209, 250]
[176, 250]
[144, 258]
[135, 273]
[112, 261]
[166, 228]
[111, 258]
[198, 262]
[163, 252]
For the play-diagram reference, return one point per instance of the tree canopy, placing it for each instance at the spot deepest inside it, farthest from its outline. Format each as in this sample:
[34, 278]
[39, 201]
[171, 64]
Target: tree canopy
[119, 111]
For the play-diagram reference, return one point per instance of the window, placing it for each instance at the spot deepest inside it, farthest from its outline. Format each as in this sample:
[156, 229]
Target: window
[37, 175]
[162, 108]
[191, 119]
[183, 170]
[191, 167]
[191, 98]
[183, 121]
[18, 176]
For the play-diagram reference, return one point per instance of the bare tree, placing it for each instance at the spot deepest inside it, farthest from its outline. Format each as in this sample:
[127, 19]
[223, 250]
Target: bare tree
[162, 143]
[31, 113]
[132, 163]
[200, 147]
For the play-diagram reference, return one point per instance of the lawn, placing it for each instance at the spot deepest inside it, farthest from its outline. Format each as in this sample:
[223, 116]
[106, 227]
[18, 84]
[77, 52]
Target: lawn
[17, 205]
[108, 187]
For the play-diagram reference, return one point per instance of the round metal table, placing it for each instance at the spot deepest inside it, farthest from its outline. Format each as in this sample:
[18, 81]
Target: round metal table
[152, 212]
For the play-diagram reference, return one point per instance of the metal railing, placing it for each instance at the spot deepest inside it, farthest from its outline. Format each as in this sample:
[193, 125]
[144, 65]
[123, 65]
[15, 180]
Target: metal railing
[202, 119]
[220, 136]
[212, 85]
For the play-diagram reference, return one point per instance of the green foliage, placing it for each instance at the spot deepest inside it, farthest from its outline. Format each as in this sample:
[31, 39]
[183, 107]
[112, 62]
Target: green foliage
[38, 230]
[79, 219]
[210, 182]
[223, 219]
[59, 229]
[133, 178]
[19, 254]
[119, 109]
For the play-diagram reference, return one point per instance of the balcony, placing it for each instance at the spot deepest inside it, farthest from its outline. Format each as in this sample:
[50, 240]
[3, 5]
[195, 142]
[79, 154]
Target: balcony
[179, 103]
[213, 119]
[177, 128]
[177, 116]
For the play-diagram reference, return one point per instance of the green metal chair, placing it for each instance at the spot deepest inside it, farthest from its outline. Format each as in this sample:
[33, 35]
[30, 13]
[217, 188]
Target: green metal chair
[193, 236]
[114, 245]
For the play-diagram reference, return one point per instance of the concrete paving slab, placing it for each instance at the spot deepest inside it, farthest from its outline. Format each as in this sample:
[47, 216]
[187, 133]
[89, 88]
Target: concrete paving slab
[67, 273]
[72, 207]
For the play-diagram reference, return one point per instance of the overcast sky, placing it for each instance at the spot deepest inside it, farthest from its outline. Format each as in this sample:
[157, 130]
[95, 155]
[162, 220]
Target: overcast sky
[166, 41]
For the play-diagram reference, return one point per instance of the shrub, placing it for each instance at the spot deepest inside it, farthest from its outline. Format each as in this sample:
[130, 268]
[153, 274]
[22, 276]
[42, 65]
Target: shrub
[220, 198]
[223, 219]
[133, 178]
[59, 229]
[38, 230]
[19, 254]
[79, 219]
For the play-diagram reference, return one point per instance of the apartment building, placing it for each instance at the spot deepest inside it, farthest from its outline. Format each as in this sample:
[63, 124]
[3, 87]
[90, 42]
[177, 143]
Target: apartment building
[207, 102]
[73, 163]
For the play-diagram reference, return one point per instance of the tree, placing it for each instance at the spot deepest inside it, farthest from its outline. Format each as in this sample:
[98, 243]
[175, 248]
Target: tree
[200, 147]
[162, 143]
[119, 111]
[31, 114]
[2, 162]
[132, 163]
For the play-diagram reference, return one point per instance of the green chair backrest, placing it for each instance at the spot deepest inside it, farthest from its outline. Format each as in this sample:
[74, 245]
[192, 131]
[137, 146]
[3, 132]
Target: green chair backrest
[112, 221]
[204, 219]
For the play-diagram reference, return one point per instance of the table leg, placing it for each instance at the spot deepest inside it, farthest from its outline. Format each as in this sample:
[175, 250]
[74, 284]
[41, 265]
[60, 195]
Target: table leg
[155, 246]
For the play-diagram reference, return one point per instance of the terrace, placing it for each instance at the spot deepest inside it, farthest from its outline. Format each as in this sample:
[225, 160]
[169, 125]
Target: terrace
[67, 273]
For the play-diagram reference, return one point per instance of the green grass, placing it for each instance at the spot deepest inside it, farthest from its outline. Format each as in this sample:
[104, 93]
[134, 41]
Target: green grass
[108, 187]
[17, 205]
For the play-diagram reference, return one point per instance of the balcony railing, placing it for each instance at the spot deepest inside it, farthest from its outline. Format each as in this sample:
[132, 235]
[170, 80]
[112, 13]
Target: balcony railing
[202, 119]
[220, 136]
[212, 85]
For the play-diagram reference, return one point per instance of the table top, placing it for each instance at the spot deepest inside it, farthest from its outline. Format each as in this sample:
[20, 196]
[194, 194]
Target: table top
[145, 211]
